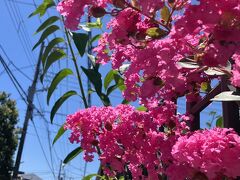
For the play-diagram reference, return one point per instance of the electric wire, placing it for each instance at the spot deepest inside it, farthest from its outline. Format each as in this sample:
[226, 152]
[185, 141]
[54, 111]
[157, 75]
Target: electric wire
[15, 23]
[19, 89]
[11, 62]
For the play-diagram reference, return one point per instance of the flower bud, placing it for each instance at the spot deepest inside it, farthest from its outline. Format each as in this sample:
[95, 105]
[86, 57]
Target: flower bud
[108, 126]
[97, 12]
[95, 142]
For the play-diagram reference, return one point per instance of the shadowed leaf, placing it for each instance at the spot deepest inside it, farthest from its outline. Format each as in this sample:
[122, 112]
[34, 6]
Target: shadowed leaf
[59, 103]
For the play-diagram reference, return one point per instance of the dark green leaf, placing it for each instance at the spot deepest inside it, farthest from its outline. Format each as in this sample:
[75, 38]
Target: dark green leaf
[46, 23]
[219, 122]
[41, 10]
[53, 57]
[59, 102]
[45, 34]
[49, 47]
[105, 99]
[72, 155]
[80, 40]
[60, 132]
[111, 89]
[109, 77]
[95, 78]
[95, 38]
[125, 102]
[57, 79]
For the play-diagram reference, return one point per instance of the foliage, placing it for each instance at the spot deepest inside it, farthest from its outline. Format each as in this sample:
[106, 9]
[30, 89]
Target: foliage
[160, 51]
[8, 137]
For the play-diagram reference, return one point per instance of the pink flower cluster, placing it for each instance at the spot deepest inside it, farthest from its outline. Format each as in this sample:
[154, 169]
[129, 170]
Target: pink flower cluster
[124, 137]
[154, 37]
[74, 9]
[206, 31]
[214, 153]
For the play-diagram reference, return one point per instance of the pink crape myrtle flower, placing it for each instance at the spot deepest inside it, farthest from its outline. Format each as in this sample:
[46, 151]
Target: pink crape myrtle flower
[213, 152]
[159, 141]
[123, 136]
[73, 10]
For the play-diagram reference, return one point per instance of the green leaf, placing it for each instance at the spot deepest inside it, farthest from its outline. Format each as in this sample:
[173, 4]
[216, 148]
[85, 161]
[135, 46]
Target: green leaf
[105, 99]
[141, 108]
[57, 79]
[120, 82]
[80, 40]
[46, 23]
[95, 78]
[111, 89]
[95, 38]
[219, 122]
[90, 91]
[156, 33]
[43, 8]
[97, 24]
[205, 86]
[109, 78]
[60, 132]
[72, 155]
[45, 34]
[114, 87]
[125, 102]
[49, 47]
[165, 13]
[53, 57]
[59, 102]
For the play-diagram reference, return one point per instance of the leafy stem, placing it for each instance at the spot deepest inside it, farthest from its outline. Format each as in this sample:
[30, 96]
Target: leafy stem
[77, 70]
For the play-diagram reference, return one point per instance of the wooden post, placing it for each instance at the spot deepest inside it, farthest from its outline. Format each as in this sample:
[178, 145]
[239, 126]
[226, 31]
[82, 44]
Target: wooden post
[230, 110]
[195, 124]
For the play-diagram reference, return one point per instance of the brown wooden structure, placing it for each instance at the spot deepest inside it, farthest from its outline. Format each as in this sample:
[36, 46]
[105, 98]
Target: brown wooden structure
[230, 109]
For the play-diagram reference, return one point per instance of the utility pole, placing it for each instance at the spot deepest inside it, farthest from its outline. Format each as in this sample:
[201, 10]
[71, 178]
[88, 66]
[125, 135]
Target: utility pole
[28, 116]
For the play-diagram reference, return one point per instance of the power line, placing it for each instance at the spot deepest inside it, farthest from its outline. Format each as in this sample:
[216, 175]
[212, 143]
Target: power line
[45, 156]
[21, 2]
[20, 91]
[11, 76]
[11, 62]
[16, 21]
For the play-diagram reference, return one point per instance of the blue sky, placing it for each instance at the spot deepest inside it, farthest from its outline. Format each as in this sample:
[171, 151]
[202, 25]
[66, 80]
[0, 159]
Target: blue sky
[17, 39]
